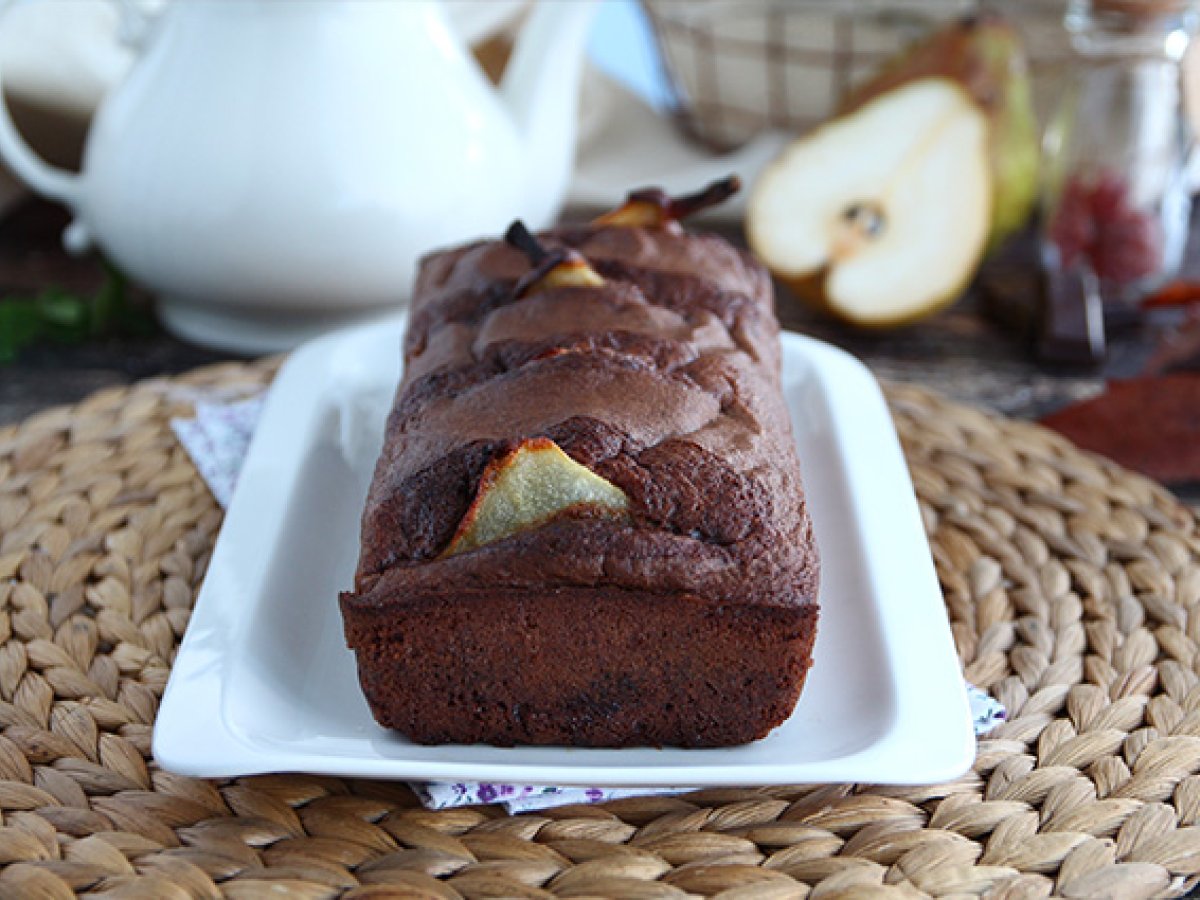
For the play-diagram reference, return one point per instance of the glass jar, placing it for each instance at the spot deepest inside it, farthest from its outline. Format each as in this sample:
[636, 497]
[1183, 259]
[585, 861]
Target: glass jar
[1115, 164]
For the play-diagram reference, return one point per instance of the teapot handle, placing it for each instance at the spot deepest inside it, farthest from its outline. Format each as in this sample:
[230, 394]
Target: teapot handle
[47, 180]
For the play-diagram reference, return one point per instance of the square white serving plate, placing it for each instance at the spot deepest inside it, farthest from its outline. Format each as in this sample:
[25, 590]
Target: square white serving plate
[264, 682]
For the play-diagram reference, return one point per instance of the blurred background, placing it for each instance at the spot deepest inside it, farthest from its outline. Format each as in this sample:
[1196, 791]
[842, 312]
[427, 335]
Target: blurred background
[1069, 292]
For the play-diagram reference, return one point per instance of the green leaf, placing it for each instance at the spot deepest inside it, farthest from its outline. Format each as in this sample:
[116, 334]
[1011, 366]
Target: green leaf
[20, 326]
[61, 310]
[67, 318]
[109, 303]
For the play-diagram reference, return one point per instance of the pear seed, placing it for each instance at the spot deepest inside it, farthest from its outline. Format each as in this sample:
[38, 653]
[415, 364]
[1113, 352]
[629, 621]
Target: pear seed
[866, 218]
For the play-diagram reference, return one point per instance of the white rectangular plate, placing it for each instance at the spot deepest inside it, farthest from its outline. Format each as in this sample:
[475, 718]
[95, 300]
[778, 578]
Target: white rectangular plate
[264, 682]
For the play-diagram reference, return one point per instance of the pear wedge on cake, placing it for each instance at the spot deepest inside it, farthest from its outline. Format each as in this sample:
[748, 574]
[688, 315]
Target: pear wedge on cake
[882, 215]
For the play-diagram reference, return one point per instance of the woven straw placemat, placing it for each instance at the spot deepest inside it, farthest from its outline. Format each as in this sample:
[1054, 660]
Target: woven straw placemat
[1073, 586]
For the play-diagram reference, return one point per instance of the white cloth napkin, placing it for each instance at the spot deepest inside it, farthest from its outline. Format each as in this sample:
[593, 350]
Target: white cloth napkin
[217, 440]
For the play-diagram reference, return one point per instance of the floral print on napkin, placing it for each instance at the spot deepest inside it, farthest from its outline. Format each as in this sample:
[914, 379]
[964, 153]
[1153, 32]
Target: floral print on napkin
[523, 797]
[986, 711]
[217, 440]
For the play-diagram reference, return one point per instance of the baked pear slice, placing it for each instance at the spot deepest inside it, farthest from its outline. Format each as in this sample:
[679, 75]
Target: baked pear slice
[527, 487]
[557, 268]
[880, 216]
[655, 208]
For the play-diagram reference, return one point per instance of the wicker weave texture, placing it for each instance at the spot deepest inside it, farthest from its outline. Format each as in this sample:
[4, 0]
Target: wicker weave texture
[1073, 587]
[739, 67]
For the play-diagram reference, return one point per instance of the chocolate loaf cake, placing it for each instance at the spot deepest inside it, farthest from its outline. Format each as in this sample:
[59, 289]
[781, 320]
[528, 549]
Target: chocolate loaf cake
[587, 526]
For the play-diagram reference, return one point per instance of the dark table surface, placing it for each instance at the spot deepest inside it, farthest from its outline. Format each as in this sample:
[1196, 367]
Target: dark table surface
[972, 352]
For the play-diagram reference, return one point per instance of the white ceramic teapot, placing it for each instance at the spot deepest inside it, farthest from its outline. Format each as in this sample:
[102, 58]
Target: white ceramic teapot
[274, 167]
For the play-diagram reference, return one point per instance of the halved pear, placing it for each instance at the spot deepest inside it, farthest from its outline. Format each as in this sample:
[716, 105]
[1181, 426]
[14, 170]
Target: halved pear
[526, 488]
[985, 55]
[881, 216]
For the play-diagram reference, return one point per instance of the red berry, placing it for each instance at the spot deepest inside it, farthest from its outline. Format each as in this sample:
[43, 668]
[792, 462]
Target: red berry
[1072, 228]
[1109, 196]
[1096, 221]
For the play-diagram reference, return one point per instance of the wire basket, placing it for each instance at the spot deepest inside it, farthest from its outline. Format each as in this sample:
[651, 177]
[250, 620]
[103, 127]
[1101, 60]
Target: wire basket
[738, 67]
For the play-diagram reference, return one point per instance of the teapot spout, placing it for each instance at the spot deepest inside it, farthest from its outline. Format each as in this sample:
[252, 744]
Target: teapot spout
[541, 90]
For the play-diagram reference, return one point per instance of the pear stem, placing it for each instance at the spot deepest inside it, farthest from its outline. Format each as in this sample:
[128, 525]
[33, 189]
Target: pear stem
[689, 204]
[520, 237]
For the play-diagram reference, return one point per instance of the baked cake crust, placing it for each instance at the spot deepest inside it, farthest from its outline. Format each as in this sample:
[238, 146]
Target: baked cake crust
[690, 621]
